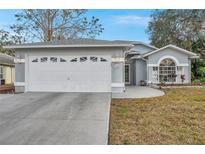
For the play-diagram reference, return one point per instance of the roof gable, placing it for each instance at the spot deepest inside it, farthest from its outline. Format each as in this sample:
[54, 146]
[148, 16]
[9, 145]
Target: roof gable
[173, 47]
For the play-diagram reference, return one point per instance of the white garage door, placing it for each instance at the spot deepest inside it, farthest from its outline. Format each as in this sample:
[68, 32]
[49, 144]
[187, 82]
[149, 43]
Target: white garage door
[69, 73]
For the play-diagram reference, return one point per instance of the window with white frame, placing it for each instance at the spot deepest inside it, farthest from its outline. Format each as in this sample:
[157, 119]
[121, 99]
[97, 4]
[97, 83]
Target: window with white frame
[1, 72]
[167, 70]
[155, 73]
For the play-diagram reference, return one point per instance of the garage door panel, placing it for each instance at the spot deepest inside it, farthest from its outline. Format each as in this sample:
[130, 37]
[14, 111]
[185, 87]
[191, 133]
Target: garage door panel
[69, 76]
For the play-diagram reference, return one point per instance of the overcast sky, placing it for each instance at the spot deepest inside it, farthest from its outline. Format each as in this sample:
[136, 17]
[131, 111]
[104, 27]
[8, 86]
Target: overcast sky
[118, 24]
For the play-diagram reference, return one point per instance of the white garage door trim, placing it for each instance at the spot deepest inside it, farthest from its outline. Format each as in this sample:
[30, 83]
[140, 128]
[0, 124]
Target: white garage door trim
[102, 67]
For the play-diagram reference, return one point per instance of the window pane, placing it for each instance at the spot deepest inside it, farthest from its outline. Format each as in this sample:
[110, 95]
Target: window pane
[83, 59]
[1, 69]
[73, 60]
[93, 59]
[167, 70]
[44, 59]
[53, 59]
[103, 59]
[127, 73]
[35, 60]
[62, 60]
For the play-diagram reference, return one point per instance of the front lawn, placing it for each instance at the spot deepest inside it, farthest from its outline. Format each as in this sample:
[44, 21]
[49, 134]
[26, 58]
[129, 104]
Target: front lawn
[176, 118]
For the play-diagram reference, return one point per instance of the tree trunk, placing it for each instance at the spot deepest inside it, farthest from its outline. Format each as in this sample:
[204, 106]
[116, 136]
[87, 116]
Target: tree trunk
[49, 26]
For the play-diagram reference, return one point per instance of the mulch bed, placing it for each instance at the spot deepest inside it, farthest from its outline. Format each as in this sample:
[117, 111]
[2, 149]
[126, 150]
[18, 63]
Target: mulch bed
[190, 85]
[7, 90]
[185, 84]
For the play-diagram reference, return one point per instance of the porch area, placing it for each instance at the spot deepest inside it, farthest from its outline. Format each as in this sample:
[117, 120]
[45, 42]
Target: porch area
[138, 92]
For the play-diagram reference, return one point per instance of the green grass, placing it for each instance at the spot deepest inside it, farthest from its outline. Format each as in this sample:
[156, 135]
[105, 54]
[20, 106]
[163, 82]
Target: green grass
[176, 118]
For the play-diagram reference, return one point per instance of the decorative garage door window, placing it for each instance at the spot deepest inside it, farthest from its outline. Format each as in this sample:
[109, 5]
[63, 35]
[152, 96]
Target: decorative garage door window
[83, 59]
[94, 59]
[44, 59]
[62, 60]
[35, 60]
[103, 59]
[74, 60]
[53, 59]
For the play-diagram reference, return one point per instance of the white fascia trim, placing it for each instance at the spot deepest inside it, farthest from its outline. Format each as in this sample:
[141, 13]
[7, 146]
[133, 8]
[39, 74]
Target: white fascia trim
[64, 46]
[7, 64]
[171, 46]
[194, 57]
[19, 84]
[118, 60]
[149, 65]
[19, 61]
[115, 85]
[184, 64]
[152, 65]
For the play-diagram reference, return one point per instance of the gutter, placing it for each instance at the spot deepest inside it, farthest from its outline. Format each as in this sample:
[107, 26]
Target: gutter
[7, 64]
[194, 57]
[63, 46]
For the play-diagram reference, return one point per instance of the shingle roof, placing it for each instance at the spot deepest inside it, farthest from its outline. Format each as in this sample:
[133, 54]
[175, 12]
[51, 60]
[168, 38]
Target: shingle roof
[80, 43]
[73, 43]
[6, 60]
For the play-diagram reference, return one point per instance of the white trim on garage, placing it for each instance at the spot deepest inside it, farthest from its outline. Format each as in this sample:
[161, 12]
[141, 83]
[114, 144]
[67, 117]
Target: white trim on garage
[19, 83]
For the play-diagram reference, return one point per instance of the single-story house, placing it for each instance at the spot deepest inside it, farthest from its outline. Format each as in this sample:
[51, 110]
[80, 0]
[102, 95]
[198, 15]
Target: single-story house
[6, 69]
[88, 65]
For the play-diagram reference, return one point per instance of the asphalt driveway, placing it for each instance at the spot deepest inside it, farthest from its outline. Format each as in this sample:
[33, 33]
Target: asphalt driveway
[55, 118]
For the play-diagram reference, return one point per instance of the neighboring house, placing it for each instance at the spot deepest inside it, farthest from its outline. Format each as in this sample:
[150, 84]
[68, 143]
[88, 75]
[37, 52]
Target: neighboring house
[6, 69]
[86, 65]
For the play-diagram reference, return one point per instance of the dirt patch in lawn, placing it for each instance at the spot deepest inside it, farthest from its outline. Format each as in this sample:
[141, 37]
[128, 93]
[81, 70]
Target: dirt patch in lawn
[176, 118]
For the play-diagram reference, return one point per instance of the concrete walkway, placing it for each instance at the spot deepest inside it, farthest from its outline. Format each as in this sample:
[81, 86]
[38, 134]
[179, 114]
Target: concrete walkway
[138, 92]
[3, 96]
[54, 118]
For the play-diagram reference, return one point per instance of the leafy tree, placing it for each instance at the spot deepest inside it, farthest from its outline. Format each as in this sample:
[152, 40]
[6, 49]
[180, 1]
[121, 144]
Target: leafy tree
[184, 28]
[7, 39]
[178, 27]
[48, 25]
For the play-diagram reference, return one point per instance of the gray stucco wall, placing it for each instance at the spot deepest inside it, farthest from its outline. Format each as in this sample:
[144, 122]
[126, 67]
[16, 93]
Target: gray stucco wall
[132, 71]
[141, 49]
[117, 68]
[140, 71]
[180, 57]
[20, 72]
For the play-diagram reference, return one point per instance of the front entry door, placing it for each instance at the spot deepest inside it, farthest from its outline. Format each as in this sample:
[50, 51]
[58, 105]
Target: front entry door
[127, 73]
